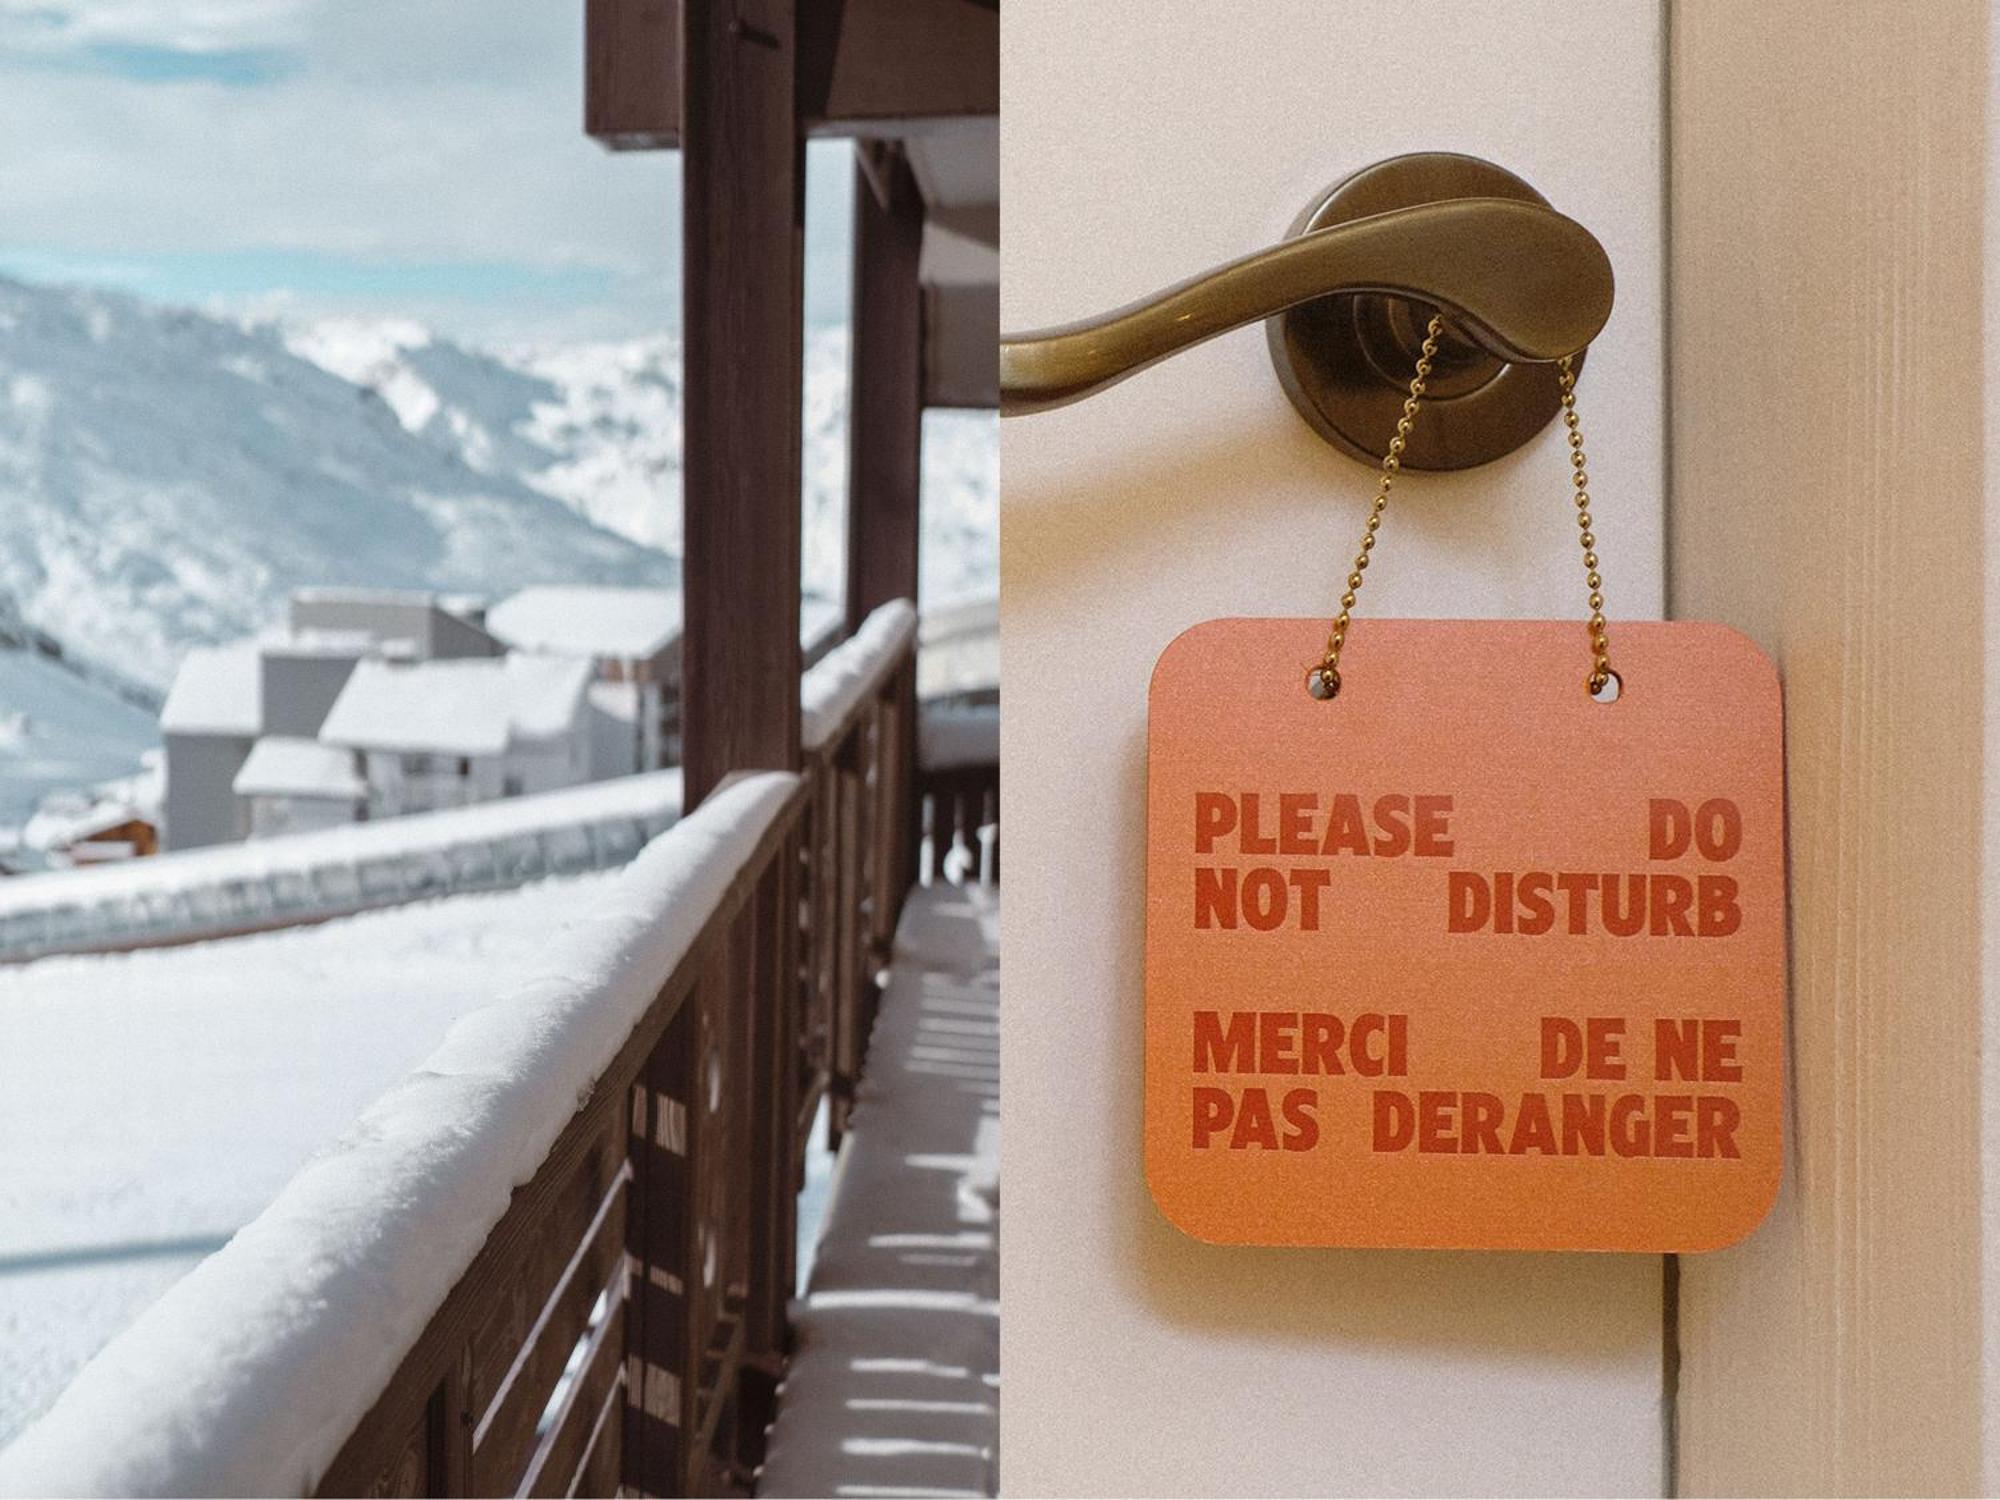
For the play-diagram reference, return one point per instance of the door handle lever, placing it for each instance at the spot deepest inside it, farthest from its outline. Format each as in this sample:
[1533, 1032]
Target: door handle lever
[1518, 284]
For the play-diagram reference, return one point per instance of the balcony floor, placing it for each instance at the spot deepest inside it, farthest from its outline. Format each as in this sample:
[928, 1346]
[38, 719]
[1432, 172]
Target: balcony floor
[893, 1388]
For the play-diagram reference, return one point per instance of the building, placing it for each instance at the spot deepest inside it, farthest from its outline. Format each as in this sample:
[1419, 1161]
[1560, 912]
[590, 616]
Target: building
[435, 627]
[213, 715]
[632, 638]
[294, 785]
[226, 701]
[426, 735]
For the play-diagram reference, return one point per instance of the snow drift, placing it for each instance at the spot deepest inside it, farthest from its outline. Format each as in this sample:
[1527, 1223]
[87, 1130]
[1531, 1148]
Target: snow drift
[248, 1375]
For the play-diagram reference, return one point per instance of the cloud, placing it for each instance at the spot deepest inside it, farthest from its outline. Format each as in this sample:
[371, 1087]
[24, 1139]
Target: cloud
[365, 155]
[175, 26]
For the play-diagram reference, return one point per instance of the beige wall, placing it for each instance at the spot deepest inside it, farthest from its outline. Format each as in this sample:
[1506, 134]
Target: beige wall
[1143, 142]
[1830, 497]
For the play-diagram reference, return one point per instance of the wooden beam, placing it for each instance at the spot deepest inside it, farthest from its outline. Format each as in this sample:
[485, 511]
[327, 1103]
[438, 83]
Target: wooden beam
[1829, 191]
[962, 346]
[885, 384]
[632, 73]
[743, 211]
[871, 66]
[885, 450]
[867, 67]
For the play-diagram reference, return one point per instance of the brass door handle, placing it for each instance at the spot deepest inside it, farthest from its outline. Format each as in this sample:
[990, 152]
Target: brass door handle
[1346, 297]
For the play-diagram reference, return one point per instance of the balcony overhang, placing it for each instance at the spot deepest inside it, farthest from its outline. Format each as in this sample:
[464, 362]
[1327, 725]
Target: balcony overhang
[917, 76]
[881, 68]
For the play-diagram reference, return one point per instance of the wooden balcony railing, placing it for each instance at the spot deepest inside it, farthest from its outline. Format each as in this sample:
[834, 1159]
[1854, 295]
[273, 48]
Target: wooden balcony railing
[857, 734]
[622, 1323]
[619, 1322]
[958, 789]
[559, 1365]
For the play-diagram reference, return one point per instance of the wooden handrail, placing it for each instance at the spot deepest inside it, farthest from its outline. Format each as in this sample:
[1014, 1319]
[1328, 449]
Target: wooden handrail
[622, 1187]
[669, 1200]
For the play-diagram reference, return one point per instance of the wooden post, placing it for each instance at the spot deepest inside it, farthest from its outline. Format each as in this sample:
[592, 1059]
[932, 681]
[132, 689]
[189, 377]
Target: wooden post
[743, 210]
[1839, 1350]
[885, 383]
[771, 978]
[885, 442]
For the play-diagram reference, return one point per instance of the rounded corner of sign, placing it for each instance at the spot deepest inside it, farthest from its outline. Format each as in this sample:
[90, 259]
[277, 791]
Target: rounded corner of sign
[1170, 1209]
[1757, 1212]
[1173, 648]
[1747, 645]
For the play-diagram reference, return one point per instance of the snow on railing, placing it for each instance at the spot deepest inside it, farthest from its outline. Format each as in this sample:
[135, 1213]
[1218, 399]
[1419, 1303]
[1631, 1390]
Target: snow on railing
[851, 671]
[307, 877]
[304, 877]
[253, 1373]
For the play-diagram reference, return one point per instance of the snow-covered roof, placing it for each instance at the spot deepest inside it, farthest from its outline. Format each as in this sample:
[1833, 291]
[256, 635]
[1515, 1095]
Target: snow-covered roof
[284, 640]
[465, 706]
[67, 817]
[283, 766]
[611, 623]
[377, 1089]
[341, 594]
[218, 690]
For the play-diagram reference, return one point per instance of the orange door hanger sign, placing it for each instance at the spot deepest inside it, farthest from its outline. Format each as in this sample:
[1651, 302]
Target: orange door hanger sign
[1463, 957]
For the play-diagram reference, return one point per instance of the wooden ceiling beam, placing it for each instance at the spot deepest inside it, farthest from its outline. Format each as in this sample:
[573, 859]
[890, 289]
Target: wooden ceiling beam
[866, 68]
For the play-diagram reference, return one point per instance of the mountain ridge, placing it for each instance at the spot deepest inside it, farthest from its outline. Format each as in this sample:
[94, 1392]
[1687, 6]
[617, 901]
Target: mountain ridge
[168, 477]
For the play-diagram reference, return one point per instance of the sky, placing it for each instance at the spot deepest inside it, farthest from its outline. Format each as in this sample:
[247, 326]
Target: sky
[310, 158]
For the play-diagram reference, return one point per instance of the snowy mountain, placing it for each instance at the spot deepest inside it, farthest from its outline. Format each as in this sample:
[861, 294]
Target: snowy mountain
[167, 478]
[597, 427]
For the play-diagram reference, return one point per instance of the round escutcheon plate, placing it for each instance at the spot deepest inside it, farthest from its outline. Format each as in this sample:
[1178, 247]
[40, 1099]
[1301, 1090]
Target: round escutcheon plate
[1347, 362]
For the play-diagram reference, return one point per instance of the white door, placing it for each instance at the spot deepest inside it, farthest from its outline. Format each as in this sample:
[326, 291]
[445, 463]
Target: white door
[1144, 143]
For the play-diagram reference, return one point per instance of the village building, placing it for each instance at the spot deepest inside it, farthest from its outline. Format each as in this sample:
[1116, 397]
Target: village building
[632, 638]
[213, 715]
[294, 785]
[226, 701]
[431, 735]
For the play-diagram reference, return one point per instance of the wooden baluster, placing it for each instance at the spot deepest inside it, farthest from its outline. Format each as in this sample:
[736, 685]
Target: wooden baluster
[771, 1099]
[990, 801]
[849, 1041]
[660, 1395]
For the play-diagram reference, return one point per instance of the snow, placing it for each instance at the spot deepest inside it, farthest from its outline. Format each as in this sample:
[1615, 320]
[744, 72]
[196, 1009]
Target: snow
[377, 455]
[246, 1375]
[64, 817]
[218, 690]
[329, 645]
[598, 428]
[139, 527]
[821, 621]
[892, 1386]
[59, 731]
[617, 624]
[463, 706]
[126, 1079]
[283, 766]
[307, 876]
[543, 693]
[950, 736]
[851, 670]
[958, 648]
